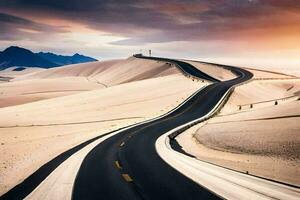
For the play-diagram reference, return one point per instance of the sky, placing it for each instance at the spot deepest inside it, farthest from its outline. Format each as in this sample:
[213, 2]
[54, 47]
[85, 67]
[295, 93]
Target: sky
[262, 33]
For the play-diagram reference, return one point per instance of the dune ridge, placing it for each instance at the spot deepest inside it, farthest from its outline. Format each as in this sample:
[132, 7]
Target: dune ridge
[61, 81]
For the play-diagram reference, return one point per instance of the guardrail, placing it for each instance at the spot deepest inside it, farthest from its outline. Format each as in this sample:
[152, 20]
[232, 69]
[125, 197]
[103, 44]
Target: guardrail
[276, 101]
[265, 79]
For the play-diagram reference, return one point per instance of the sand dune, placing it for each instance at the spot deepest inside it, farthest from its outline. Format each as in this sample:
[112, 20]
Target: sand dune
[20, 92]
[71, 79]
[50, 83]
[76, 70]
[110, 73]
[258, 92]
[133, 69]
[9, 72]
[266, 74]
[264, 126]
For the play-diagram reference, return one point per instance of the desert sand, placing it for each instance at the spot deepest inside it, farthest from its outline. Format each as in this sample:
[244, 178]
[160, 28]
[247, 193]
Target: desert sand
[12, 73]
[61, 81]
[28, 131]
[262, 140]
[261, 93]
[110, 72]
[266, 74]
[75, 70]
[20, 92]
[260, 131]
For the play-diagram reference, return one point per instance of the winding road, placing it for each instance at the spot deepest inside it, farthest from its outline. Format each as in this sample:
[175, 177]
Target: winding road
[133, 163]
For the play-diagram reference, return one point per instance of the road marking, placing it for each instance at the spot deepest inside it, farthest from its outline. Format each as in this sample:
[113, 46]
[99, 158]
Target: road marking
[118, 164]
[122, 144]
[127, 177]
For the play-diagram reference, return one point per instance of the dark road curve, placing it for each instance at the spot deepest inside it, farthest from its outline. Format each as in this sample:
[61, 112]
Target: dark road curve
[134, 149]
[186, 68]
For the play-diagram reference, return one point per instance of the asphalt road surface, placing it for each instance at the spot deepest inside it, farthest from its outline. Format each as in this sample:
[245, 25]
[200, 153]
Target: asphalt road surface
[127, 166]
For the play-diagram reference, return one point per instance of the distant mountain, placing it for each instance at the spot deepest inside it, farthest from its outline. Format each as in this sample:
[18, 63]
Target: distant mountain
[16, 56]
[66, 60]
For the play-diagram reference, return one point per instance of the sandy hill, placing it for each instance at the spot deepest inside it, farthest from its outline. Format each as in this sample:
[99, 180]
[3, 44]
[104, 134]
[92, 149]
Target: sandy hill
[134, 69]
[261, 93]
[109, 73]
[266, 74]
[20, 92]
[71, 79]
[76, 70]
[13, 72]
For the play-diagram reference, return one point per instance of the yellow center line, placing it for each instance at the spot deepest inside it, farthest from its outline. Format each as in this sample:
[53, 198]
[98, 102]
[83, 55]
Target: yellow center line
[118, 164]
[127, 177]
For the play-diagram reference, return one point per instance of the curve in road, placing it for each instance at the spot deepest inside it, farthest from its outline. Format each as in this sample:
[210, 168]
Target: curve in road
[127, 166]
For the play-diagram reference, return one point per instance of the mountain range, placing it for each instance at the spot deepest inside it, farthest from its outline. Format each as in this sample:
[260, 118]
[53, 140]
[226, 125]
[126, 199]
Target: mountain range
[21, 57]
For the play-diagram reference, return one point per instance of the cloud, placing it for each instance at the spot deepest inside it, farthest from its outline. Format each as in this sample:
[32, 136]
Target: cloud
[211, 28]
[18, 28]
[165, 21]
